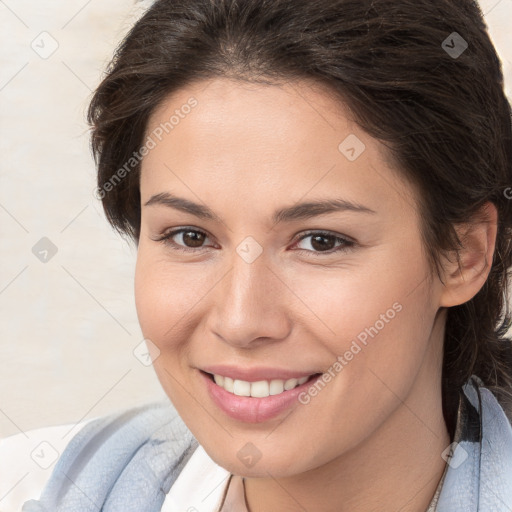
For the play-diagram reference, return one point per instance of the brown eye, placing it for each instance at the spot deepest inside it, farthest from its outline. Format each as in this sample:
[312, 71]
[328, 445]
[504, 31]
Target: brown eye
[322, 242]
[191, 239]
[326, 243]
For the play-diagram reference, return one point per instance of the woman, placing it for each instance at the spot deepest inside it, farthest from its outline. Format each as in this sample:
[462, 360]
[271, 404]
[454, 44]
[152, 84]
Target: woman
[319, 192]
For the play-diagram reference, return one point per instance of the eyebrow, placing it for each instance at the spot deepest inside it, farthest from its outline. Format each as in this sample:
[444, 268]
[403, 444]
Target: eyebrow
[299, 211]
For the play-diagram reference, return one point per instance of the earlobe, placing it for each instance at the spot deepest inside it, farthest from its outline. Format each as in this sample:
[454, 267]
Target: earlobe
[478, 238]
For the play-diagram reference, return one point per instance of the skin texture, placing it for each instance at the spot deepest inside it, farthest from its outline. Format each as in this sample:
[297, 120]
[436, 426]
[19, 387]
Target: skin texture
[372, 438]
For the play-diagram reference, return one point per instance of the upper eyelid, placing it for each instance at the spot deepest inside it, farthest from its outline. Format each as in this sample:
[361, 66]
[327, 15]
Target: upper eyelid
[328, 232]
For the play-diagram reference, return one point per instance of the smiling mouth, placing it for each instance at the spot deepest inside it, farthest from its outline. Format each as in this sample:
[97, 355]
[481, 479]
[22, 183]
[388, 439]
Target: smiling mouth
[258, 389]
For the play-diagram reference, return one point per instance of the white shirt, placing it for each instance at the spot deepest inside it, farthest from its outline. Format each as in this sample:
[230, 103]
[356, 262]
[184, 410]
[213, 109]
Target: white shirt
[201, 485]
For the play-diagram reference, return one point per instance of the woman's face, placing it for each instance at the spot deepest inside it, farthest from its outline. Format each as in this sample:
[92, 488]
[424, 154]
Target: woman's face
[259, 296]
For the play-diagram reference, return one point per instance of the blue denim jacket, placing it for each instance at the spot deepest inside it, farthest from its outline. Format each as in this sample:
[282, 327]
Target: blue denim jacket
[128, 461]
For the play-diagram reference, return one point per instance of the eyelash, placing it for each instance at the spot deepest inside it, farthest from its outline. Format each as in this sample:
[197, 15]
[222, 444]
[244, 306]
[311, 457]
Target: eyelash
[348, 244]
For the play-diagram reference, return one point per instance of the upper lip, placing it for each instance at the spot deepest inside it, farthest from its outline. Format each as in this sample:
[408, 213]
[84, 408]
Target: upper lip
[255, 374]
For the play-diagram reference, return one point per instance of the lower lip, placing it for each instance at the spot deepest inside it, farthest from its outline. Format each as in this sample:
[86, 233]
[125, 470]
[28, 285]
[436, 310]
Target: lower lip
[251, 409]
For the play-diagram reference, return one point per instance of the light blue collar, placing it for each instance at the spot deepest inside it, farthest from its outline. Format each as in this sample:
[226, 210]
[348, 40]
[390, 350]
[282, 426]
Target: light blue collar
[479, 476]
[119, 463]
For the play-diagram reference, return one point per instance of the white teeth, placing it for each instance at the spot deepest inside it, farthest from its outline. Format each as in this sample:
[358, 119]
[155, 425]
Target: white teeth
[259, 389]
[290, 384]
[276, 387]
[242, 388]
[228, 384]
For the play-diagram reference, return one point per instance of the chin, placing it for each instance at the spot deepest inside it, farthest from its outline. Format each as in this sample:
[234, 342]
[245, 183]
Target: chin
[278, 465]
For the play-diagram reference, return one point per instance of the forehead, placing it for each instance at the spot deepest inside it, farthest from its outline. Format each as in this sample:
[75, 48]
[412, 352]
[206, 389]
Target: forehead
[270, 139]
[254, 110]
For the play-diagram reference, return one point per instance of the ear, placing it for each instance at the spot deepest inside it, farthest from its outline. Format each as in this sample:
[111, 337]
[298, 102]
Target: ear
[478, 239]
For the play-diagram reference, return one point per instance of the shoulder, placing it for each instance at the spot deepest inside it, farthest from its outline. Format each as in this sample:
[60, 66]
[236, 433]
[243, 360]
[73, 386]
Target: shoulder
[113, 457]
[27, 459]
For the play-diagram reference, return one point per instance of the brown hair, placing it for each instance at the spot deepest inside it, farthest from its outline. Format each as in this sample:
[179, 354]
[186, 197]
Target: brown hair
[408, 79]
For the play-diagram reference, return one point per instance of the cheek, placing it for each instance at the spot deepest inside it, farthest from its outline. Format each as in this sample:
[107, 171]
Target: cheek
[170, 298]
[163, 295]
[378, 315]
[345, 301]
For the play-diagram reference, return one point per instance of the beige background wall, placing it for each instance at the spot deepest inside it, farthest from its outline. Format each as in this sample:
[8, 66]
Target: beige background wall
[69, 325]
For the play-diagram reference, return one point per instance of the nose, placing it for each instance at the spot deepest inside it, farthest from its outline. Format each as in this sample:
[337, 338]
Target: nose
[249, 306]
